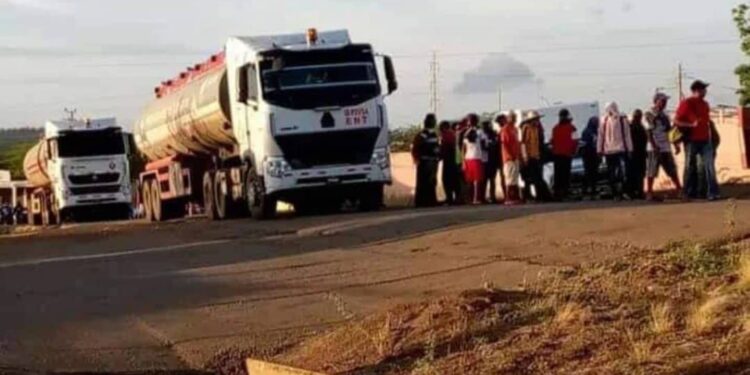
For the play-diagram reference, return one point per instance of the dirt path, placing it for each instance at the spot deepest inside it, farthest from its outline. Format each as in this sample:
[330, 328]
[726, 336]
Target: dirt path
[135, 297]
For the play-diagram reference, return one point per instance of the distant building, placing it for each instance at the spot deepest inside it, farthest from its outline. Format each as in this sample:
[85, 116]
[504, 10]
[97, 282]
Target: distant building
[12, 191]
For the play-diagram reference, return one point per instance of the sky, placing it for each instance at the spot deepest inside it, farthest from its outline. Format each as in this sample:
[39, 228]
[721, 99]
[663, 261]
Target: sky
[103, 57]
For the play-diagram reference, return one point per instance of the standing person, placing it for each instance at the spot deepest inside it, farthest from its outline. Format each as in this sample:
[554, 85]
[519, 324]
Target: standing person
[693, 117]
[564, 148]
[450, 177]
[532, 151]
[511, 153]
[591, 158]
[500, 121]
[19, 213]
[6, 213]
[658, 126]
[473, 164]
[637, 170]
[426, 155]
[614, 144]
[492, 162]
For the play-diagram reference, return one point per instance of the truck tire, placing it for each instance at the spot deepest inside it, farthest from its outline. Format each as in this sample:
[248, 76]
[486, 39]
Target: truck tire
[221, 200]
[261, 205]
[372, 199]
[148, 209]
[208, 195]
[159, 211]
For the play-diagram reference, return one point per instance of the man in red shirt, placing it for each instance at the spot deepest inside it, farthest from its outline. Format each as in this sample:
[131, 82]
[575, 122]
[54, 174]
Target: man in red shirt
[693, 117]
[564, 148]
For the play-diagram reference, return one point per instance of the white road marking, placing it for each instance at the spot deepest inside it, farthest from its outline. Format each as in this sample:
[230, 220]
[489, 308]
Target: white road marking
[36, 262]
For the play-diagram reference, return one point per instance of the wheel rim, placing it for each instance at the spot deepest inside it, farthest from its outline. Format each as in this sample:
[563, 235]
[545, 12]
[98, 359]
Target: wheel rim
[146, 194]
[208, 194]
[156, 201]
[220, 199]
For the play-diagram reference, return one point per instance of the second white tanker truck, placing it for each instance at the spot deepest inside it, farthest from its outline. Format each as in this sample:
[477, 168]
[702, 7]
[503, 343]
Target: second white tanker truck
[297, 118]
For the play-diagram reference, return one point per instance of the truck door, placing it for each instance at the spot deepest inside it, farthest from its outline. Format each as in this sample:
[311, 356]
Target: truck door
[249, 101]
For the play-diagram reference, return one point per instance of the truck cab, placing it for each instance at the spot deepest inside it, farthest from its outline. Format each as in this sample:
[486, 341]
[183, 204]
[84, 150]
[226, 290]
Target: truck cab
[309, 117]
[87, 167]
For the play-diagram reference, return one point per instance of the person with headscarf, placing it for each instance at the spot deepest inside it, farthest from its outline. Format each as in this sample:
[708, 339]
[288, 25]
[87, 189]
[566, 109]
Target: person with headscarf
[591, 159]
[615, 144]
[532, 151]
[637, 170]
[426, 155]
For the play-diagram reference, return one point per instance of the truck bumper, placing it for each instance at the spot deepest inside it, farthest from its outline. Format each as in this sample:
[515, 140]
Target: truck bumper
[74, 201]
[320, 179]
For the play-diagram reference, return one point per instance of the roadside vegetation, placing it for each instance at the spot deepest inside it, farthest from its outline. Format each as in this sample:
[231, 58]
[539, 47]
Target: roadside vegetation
[682, 309]
[14, 143]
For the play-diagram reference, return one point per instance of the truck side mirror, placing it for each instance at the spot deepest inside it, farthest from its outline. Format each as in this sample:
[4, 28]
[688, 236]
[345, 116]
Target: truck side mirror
[390, 74]
[127, 140]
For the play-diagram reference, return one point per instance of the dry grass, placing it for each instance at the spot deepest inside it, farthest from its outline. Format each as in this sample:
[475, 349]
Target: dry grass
[663, 319]
[641, 350]
[595, 319]
[743, 270]
[705, 316]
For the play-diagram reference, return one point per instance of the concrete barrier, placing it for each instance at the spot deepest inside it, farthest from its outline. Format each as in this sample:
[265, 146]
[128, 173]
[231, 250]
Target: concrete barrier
[255, 367]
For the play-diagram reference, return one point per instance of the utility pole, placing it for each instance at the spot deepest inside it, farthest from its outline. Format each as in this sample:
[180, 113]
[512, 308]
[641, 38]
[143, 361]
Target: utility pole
[680, 75]
[71, 113]
[434, 87]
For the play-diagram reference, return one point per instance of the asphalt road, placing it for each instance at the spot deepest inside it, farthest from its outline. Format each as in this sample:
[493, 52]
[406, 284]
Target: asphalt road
[136, 296]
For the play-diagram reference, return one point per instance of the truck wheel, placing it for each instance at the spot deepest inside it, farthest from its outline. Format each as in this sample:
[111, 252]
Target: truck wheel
[221, 204]
[148, 209]
[260, 205]
[208, 195]
[372, 199]
[156, 202]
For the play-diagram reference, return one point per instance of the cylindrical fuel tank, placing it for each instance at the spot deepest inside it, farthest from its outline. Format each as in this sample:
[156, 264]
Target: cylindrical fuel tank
[35, 165]
[192, 120]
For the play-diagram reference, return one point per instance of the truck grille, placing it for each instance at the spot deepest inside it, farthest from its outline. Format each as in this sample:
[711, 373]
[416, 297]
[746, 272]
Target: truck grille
[304, 151]
[109, 189]
[94, 178]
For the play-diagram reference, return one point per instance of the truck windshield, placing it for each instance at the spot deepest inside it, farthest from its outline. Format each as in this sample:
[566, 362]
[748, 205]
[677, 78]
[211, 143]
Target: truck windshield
[316, 86]
[90, 143]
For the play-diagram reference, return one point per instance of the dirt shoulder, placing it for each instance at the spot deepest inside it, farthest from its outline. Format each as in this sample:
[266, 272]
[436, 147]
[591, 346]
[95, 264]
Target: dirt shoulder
[679, 308]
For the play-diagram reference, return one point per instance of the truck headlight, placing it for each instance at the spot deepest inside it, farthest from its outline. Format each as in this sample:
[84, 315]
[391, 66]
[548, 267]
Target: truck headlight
[276, 167]
[381, 157]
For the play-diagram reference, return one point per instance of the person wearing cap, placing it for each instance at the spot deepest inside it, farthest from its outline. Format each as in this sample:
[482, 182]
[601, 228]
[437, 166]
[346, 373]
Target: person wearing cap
[693, 117]
[615, 144]
[426, 155]
[564, 148]
[532, 151]
[659, 147]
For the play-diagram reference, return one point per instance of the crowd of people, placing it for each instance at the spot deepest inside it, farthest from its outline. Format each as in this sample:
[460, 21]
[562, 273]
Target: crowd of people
[635, 149]
[12, 215]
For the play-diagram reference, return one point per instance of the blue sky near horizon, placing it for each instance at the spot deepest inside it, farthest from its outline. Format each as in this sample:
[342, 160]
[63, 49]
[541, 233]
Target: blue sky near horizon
[105, 56]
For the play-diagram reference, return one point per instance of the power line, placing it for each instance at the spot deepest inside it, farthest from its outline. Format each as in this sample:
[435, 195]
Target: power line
[578, 48]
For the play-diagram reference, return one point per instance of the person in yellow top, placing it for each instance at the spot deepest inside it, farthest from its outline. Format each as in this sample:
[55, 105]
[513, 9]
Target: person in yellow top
[532, 157]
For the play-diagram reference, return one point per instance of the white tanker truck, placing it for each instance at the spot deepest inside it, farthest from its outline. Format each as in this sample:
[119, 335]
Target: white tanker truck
[294, 118]
[79, 167]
